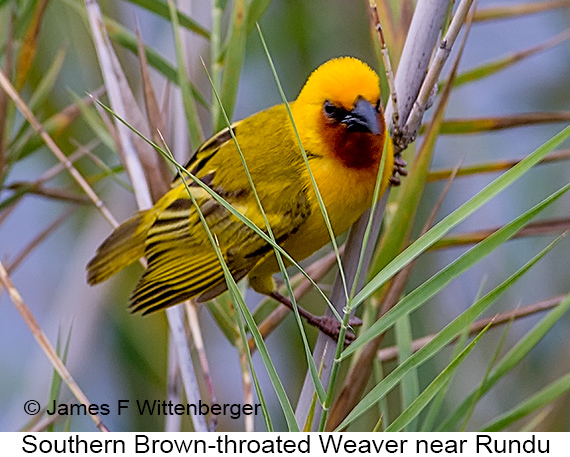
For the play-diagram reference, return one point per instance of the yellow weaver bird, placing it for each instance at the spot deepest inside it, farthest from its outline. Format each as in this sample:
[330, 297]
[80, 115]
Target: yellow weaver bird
[342, 128]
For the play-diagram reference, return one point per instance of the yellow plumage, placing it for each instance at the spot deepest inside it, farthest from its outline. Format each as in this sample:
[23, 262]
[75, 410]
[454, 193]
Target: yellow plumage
[342, 129]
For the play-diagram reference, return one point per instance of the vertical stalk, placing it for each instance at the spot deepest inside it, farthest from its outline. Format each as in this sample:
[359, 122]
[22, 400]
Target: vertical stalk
[215, 58]
[192, 119]
[234, 53]
[420, 42]
[422, 37]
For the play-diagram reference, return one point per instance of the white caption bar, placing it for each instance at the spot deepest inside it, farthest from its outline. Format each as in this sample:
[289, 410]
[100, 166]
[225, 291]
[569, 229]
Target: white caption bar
[17, 444]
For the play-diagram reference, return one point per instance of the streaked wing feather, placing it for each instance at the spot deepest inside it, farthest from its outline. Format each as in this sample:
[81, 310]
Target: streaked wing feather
[206, 151]
[181, 261]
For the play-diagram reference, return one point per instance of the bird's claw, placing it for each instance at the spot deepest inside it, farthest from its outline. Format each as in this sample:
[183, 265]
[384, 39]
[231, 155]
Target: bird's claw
[399, 169]
[331, 326]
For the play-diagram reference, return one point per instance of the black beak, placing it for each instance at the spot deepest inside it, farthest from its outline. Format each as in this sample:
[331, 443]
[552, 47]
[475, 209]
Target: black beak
[362, 118]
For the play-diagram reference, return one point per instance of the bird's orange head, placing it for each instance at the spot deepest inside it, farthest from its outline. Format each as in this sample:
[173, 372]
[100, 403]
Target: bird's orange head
[338, 112]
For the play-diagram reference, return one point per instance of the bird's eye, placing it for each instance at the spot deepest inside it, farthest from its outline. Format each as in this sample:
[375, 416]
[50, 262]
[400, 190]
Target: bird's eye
[378, 106]
[329, 109]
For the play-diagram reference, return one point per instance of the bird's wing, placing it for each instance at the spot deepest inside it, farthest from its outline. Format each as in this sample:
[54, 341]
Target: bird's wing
[181, 260]
[206, 151]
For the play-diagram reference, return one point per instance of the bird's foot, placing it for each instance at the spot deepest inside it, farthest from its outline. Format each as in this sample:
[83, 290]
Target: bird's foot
[399, 169]
[330, 326]
[327, 324]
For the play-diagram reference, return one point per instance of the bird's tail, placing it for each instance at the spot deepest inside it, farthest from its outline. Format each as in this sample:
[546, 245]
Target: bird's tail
[124, 246]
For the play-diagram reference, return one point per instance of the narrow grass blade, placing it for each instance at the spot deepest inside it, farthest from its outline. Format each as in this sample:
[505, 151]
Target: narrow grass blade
[45, 345]
[383, 406]
[429, 420]
[192, 120]
[23, 108]
[509, 361]
[422, 400]
[490, 364]
[160, 8]
[408, 198]
[519, 9]
[234, 53]
[28, 141]
[486, 124]
[238, 299]
[537, 420]
[38, 241]
[125, 38]
[538, 228]
[94, 121]
[56, 380]
[306, 160]
[443, 338]
[439, 398]
[216, 56]
[537, 401]
[490, 68]
[29, 43]
[255, 11]
[225, 204]
[409, 385]
[438, 281]
[372, 229]
[357, 258]
[312, 367]
[460, 214]
[495, 166]
[47, 82]
[225, 316]
[264, 408]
